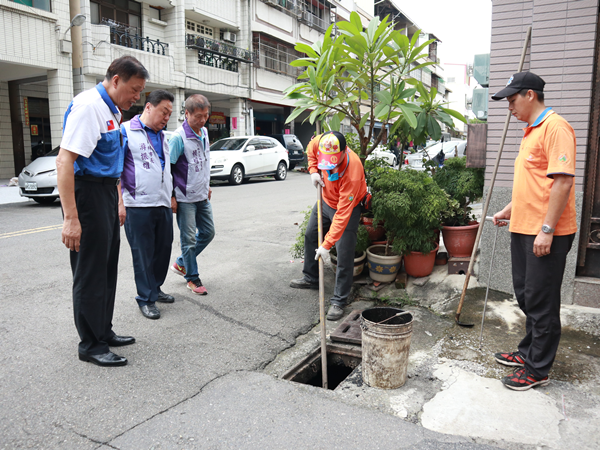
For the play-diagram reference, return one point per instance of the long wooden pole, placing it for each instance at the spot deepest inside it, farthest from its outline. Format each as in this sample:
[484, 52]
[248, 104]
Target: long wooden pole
[321, 289]
[489, 194]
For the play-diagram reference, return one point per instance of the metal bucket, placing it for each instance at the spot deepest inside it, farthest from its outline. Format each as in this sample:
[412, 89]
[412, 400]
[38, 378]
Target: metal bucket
[385, 347]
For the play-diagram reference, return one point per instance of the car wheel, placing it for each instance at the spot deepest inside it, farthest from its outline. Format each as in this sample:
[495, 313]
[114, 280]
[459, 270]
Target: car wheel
[237, 175]
[44, 200]
[292, 165]
[281, 171]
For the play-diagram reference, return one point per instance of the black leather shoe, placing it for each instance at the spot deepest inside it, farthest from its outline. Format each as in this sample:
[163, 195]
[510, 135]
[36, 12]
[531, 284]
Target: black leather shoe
[303, 283]
[105, 359]
[120, 341]
[165, 298]
[150, 311]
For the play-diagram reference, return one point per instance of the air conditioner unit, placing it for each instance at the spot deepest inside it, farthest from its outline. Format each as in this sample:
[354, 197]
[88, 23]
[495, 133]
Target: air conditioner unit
[228, 36]
[307, 17]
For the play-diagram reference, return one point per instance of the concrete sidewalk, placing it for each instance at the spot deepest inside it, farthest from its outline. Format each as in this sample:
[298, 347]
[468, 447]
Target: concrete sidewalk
[10, 194]
[247, 410]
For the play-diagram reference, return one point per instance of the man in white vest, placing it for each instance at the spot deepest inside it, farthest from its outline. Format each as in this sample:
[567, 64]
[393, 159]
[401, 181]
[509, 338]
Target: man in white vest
[146, 188]
[190, 157]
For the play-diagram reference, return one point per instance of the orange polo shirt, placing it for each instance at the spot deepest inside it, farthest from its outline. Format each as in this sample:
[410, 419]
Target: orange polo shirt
[547, 149]
[343, 195]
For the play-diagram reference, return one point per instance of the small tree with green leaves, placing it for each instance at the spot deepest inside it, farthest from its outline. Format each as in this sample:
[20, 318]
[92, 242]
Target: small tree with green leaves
[464, 185]
[411, 204]
[365, 76]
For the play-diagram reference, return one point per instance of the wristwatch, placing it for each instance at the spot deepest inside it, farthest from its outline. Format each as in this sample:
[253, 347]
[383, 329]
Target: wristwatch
[546, 229]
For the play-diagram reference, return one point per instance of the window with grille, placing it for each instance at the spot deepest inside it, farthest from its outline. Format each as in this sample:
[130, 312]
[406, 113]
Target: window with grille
[122, 13]
[275, 56]
[39, 4]
[198, 28]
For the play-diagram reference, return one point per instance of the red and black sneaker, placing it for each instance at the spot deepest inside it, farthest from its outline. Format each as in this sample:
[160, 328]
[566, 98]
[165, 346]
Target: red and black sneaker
[522, 379]
[511, 359]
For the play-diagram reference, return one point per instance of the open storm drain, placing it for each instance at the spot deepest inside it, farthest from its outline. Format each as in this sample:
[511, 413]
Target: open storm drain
[341, 361]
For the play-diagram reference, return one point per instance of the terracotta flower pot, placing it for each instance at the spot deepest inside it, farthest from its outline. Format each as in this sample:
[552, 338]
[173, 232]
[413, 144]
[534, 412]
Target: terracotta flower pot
[459, 241]
[378, 242]
[359, 263]
[382, 268]
[418, 264]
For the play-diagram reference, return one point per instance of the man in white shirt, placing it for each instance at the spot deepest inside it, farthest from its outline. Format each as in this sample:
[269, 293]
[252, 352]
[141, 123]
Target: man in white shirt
[89, 165]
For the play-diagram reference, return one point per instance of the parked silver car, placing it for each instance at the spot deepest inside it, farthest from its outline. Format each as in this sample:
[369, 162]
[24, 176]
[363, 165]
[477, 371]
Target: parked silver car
[383, 152]
[451, 149]
[38, 179]
[238, 158]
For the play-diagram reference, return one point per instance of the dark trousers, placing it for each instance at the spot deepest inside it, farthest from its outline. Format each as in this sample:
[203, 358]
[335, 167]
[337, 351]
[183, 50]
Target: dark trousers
[537, 283]
[150, 235]
[344, 247]
[95, 265]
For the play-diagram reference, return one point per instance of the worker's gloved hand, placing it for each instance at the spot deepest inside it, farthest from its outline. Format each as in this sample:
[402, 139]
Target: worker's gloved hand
[321, 252]
[316, 179]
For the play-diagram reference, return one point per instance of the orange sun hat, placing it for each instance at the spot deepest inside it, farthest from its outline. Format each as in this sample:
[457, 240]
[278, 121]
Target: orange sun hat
[331, 146]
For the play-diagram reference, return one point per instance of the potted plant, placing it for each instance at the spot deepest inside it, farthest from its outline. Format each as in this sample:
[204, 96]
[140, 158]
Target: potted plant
[463, 184]
[411, 204]
[362, 242]
[374, 168]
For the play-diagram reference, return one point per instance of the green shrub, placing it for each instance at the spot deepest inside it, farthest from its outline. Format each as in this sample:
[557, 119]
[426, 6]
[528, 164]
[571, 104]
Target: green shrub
[464, 185]
[297, 250]
[411, 204]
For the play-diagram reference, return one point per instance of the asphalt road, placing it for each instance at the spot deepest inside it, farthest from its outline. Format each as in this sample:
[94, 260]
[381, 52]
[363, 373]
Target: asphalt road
[202, 350]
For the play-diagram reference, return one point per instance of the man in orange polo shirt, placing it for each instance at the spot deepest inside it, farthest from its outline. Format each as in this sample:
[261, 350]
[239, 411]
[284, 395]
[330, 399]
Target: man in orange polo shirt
[344, 187]
[542, 225]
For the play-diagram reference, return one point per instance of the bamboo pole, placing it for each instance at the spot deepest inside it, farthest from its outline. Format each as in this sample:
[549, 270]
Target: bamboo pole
[321, 289]
[489, 195]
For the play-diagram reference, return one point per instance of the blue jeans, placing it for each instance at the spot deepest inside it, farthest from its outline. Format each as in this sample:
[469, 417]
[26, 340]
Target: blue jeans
[196, 231]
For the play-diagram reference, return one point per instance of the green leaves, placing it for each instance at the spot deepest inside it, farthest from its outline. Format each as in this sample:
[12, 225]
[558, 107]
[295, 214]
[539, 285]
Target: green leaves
[433, 129]
[455, 114]
[362, 76]
[411, 205]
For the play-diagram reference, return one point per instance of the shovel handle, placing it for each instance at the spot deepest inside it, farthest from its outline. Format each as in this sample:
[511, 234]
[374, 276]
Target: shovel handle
[321, 288]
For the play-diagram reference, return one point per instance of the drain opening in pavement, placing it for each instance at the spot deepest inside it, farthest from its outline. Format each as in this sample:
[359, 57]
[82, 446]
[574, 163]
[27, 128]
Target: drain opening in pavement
[341, 361]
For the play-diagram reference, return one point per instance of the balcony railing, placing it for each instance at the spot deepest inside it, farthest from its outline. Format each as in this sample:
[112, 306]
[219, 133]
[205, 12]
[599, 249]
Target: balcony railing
[125, 39]
[290, 6]
[314, 21]
[305, 12]
[218, 54]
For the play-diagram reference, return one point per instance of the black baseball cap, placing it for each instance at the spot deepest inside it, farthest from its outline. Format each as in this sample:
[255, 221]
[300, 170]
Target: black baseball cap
[518, 82]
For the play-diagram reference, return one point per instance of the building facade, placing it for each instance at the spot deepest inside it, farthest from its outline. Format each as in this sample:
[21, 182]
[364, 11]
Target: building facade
[564, 52]
[235, 52]
[36, 82]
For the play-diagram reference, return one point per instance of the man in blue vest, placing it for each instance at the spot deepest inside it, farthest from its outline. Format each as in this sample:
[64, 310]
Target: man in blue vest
[190, 156]
[147, 186]
[89, 165]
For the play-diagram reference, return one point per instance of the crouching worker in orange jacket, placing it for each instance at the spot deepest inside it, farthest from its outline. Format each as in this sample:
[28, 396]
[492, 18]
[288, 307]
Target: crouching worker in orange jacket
[344, 188]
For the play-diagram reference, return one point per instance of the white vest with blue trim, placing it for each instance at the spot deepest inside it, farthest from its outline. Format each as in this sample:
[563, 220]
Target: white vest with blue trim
[191, 176]
[143, 181]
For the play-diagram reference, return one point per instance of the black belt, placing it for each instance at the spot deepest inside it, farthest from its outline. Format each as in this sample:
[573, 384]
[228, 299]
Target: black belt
[108, 181]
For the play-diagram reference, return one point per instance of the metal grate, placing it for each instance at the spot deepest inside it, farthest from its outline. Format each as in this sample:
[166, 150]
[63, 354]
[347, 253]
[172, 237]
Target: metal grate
[129, 37]
[275, 57]
[218, 54]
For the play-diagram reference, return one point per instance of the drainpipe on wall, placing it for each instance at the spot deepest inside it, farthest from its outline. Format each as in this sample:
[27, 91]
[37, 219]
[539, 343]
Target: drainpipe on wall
[77, 57]
[250, 117]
